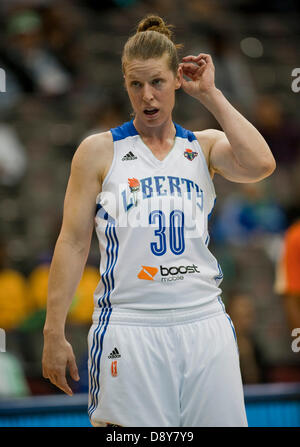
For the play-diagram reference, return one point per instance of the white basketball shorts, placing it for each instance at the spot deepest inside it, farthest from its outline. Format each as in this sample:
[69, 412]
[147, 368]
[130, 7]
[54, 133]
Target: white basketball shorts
[164, 369]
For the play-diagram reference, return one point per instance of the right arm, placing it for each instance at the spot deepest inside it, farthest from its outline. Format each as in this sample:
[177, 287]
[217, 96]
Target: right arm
[88, 168]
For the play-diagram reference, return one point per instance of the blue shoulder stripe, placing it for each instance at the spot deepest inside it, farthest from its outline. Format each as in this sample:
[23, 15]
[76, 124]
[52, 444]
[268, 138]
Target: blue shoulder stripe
[124, 131]
[184, 133]
[128, 130]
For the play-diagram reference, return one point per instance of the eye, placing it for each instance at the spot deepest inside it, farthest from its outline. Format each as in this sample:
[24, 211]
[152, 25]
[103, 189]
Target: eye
[135, 84]
[157, 81]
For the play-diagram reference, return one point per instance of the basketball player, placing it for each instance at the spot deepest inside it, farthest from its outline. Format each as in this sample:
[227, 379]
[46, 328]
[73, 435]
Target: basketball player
[162, 350]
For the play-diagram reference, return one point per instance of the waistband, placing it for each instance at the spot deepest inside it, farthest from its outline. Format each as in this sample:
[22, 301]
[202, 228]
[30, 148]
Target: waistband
[116, 315]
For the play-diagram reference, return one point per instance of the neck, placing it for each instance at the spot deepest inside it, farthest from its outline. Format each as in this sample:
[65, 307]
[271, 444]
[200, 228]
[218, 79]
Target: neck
[164, 131]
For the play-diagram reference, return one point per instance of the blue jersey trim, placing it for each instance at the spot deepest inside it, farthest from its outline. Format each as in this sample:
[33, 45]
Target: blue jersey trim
[209, 215]
[124, 131]
[128, 130]
[103, 214]
[184, 133]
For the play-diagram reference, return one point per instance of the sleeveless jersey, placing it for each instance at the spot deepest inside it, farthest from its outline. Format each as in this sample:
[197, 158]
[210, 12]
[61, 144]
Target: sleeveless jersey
[152, 225]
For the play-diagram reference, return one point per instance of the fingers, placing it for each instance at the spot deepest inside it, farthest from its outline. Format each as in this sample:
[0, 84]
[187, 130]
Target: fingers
[191, 70]
[57, 375]
[73, 369]
[189, 67]
[60, 381]
[202, 58]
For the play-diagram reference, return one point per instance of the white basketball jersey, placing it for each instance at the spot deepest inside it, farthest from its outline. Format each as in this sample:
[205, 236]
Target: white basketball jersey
[152, 225]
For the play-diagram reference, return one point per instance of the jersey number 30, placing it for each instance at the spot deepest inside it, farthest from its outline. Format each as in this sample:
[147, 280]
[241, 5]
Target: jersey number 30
[176, 232]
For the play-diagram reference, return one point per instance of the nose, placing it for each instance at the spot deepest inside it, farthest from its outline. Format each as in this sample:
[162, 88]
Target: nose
[147, 93]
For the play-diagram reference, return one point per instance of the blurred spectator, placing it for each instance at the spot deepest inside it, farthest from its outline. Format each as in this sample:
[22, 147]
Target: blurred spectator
[82, 307]
[13, 382]
[108, 4]
[256, 6]
[109, 114]
[37, 290]
[13, 308]
[287, 281]
[279, 130]
[78, 321]
[241, 310]
[204, 11]
[63, 25]
[13, 158]
[232, 74]
[31, 54]
[16, 83]
[248, 215]
[13, 294]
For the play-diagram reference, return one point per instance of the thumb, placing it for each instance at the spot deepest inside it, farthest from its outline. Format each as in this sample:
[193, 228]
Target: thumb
[73, 369]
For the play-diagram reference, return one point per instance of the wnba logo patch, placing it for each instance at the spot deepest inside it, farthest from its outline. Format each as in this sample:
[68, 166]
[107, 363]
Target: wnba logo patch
[189, 154]
[147, 273]
[114, 368]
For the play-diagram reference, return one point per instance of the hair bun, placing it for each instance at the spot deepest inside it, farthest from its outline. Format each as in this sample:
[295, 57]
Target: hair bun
[155, 23]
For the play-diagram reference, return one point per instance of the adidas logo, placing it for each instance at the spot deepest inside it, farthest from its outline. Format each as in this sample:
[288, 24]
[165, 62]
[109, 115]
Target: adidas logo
[129, 156]
[114, 354]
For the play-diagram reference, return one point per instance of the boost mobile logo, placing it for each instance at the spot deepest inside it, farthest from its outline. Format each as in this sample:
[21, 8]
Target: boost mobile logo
[147, 273]
[176, 273]
[167, 273]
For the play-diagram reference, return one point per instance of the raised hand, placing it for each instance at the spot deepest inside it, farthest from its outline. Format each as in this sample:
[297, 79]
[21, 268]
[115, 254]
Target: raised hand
[201, 73]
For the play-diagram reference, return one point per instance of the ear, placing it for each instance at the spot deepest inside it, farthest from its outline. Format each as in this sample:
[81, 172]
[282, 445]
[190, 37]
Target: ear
[179, 77]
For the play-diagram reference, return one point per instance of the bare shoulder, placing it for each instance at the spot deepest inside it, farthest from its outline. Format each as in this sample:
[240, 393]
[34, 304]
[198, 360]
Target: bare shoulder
[206, 138]
[94, 154]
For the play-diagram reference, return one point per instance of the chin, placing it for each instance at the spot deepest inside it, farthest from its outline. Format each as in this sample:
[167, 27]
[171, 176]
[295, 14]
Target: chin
[157, 121]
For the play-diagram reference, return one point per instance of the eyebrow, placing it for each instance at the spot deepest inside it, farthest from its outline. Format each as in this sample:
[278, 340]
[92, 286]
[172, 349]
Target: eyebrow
[155, 75]
[158, 74]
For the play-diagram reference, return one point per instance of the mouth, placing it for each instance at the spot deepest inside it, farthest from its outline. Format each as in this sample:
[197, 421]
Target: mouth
[151, 111]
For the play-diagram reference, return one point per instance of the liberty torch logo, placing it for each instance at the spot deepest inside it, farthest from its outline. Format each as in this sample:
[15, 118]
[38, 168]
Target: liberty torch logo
[134, 186]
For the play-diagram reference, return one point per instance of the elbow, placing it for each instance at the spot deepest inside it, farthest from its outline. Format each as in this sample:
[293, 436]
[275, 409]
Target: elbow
[270, 166]
[267, 166]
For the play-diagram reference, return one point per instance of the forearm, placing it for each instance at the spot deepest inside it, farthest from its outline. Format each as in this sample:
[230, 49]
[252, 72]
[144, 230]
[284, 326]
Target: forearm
[248, 145]
[65, 273]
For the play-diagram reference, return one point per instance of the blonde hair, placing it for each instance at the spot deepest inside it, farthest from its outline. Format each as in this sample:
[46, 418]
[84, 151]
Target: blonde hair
[153, 39]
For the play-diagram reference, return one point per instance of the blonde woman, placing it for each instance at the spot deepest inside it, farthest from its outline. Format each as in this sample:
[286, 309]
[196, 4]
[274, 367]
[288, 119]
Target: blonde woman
[162, 350]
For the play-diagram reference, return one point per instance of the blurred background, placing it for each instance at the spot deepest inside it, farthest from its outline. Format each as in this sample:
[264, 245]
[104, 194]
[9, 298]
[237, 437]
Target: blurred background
[61, 61]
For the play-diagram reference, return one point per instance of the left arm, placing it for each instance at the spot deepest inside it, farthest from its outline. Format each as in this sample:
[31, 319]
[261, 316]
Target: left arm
[240, 153]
